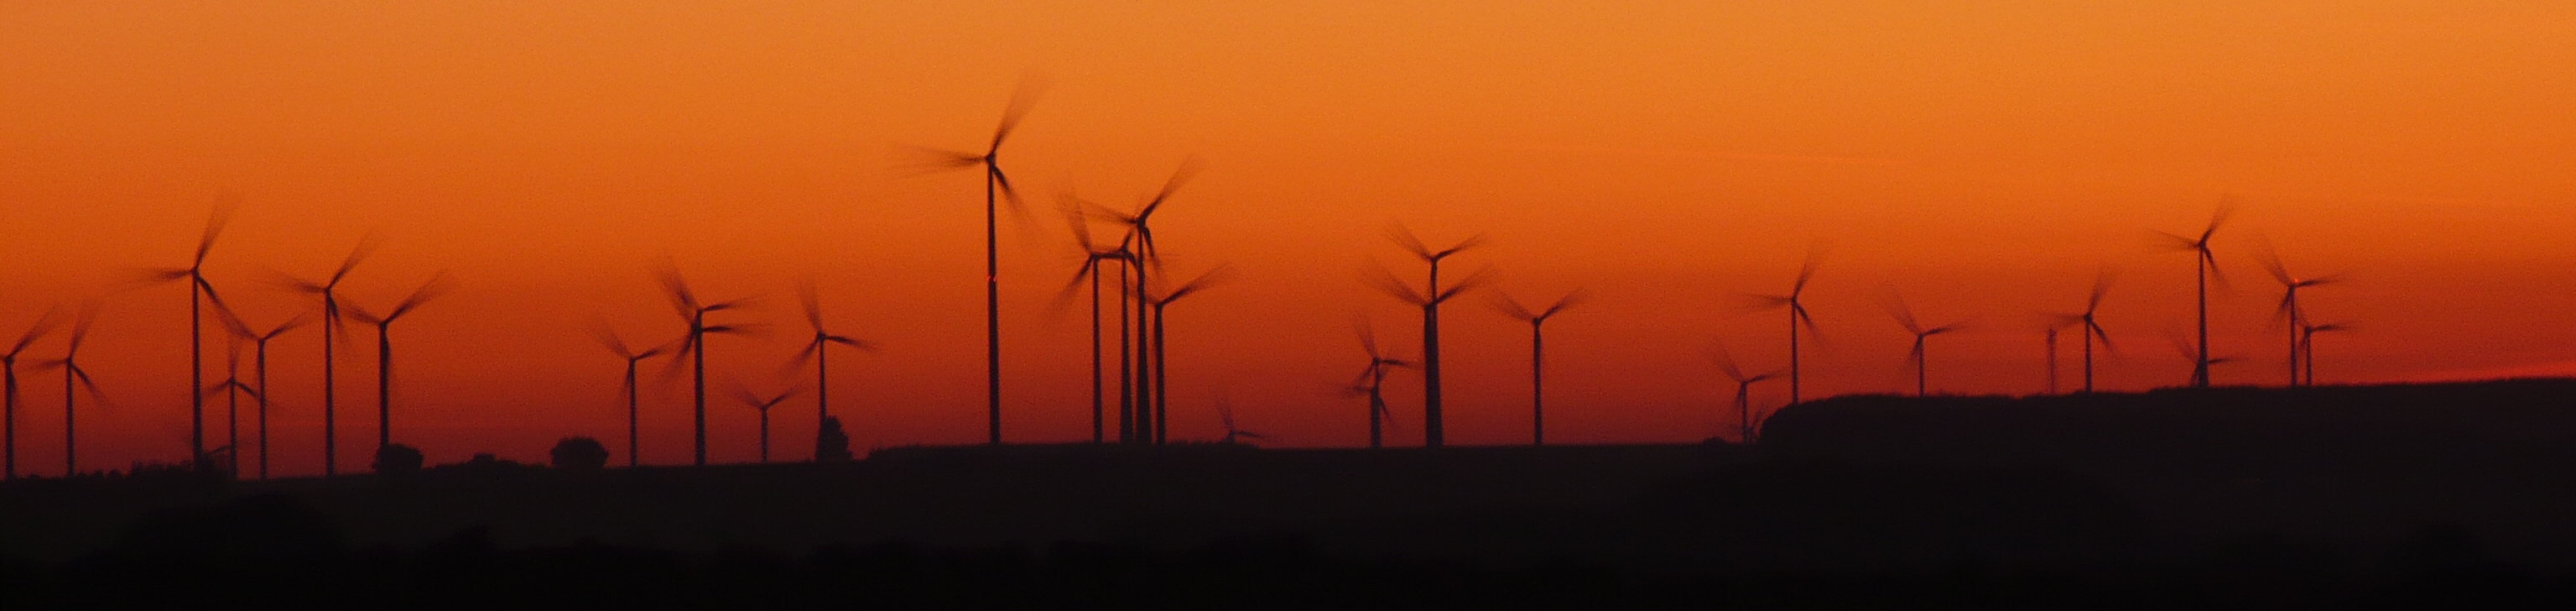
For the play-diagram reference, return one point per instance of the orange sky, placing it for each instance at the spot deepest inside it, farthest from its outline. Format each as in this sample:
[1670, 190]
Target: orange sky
[1983, 158]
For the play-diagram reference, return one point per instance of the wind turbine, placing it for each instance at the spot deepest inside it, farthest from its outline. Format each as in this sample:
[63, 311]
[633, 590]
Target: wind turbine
[694, 344]
[2201, 370]
[9, 364]
[2308, 344]
[1917, 357]
[995, 183]
[1512, 308]
[1372, 382]
[617, 345]
[815, 351]
[1797, 314]
[198, 290]
[259, 371]
[763, 404]
[1143, 253]
[385, 350]
[1225, 414]
[1746, 423]
[2290, 312]
[1093, 256]
[72, 375]
[328, 290]
[233, 389]
[2206, 265]
[1429, 299]
[2088, 326]
[1162, 402]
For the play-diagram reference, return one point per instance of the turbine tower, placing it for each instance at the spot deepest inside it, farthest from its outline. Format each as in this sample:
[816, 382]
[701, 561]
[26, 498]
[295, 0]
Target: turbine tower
[1798, 316]
[9, 367]
[198, 291]
[2206, 266]
[329, 291]
[996, 183]
[1429, 299]
[694, 344]
[1538, 344]
[617, 346]
[815, 350]
[1905, 317]
[436, 286]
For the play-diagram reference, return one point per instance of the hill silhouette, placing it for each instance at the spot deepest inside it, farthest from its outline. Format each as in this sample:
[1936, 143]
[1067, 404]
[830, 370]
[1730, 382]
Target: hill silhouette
[2324, 497]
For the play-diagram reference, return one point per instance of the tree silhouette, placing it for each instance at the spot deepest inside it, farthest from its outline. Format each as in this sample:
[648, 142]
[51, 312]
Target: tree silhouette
[579, 454]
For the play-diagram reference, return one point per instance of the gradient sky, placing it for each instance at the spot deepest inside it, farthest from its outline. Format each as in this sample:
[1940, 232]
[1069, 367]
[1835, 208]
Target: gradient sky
[1982, 158]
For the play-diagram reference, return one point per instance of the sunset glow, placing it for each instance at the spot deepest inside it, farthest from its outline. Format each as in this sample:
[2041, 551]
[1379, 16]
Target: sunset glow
[1983, 159]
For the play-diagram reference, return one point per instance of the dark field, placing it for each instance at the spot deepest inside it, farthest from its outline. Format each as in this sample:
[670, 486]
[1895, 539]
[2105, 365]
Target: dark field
[2335, 497]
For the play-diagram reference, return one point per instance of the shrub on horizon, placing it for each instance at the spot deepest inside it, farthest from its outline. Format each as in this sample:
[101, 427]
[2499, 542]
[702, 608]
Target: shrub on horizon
[831, 444]
[397, 459]
[579, 454]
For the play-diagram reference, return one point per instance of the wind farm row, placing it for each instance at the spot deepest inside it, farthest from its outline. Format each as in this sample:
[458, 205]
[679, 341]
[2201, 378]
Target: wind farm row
[1131, 288]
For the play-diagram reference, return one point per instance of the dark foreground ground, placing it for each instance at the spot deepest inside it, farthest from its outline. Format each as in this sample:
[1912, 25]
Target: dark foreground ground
[2452, 496]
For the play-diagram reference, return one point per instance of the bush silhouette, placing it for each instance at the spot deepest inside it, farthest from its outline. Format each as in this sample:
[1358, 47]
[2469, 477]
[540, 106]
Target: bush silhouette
[830, 443]
[579, 454]
[397, 459]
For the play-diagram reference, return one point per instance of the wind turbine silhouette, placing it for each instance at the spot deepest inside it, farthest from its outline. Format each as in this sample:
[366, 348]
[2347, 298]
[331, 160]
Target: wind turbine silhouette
[2289, 312]
[233, 389]
[616, 345]
[2088, 326]
[743, 394]
[2199, 373]
[1797, 314]
[1905, 316]
[73, 374]
[694, 344]
[1372, 382]
[9, 365]
[1746, 422]
[1162, 405]
[815, 351]
[333, 326]
[1429, 299]
[1143, 253]
[2206, 265]
[437, 285]
[995, 182]
[1093, 256]
[198, 290]
[2308, 344]
[259, 370]
[1225, 414]
[1504, 302]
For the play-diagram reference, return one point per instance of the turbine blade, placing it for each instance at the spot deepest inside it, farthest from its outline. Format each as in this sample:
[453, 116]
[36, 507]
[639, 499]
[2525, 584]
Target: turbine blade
[811, 296]
[1904, 315]
[2226, 208]
[599, 330]
[852, 342]
[1189, 169]
[1510, 307]
[1807, 271]
[438, 284]
[1023, 97]
[45, 323]
[796, 364]
[1571, 299]
[2101, 288]
[367, 244]
[2271, 260]
[683, 301]
[222, 215]
[1405, 238]
[1368, 337]
[1384, 281]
